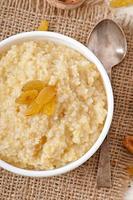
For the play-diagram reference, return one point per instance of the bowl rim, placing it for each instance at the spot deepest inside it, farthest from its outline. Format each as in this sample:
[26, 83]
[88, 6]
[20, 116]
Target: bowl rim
[72, 43]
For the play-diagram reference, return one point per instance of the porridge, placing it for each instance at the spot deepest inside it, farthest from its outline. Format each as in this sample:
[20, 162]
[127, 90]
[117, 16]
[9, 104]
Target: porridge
[55, 137]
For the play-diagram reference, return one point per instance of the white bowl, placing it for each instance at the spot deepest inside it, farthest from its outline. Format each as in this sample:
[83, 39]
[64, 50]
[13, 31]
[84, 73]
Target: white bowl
[56, 37]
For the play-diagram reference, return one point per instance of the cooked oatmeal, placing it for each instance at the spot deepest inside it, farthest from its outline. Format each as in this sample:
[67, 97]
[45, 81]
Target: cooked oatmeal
[41, 141]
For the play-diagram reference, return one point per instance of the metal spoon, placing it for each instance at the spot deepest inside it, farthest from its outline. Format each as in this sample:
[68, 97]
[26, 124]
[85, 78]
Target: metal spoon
[108, 42]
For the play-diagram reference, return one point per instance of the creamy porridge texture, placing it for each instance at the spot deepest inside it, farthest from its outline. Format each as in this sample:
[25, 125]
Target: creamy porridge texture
[41, 141]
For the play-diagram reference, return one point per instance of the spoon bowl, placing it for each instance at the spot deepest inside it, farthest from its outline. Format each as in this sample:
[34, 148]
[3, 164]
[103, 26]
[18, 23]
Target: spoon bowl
[107, 40]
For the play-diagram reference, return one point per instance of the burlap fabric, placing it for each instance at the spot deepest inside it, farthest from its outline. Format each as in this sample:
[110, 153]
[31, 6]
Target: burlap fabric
[80, 184]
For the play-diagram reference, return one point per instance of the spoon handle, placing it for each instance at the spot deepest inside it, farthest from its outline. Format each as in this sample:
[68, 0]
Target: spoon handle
[104, 168]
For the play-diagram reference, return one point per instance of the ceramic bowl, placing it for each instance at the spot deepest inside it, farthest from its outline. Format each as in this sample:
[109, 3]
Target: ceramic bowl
[59, 38]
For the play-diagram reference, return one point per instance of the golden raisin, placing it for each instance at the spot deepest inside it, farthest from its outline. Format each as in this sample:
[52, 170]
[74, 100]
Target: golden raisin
[17, 109]
[43, 98]
[33, 109]
[36, 94]
[128, 143]
[120, 3]
[46, 95]
[49, 108]
[38, 147]
[130, 170]
[27, 97]
[34, 85]
[43, 26]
